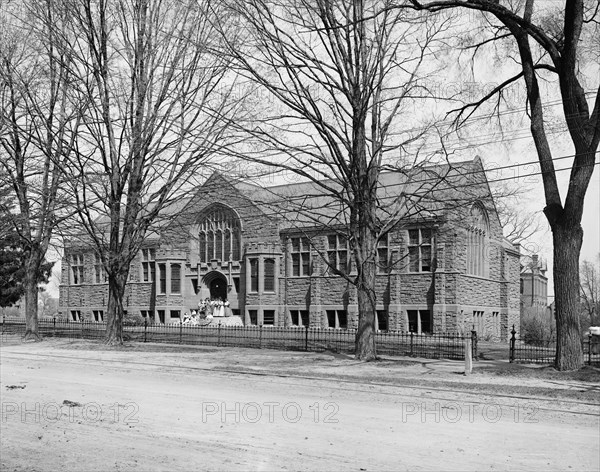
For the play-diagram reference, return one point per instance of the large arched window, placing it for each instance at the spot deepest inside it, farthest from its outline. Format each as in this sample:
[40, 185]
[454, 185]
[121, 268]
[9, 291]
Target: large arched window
[477, 237]
[220, 235]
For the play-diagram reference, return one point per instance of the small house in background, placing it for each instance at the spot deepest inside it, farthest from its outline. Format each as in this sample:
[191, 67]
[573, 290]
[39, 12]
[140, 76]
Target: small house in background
[443, 264]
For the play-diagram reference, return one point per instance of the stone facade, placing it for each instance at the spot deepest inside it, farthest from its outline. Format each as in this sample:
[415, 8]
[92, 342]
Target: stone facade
[270, 276]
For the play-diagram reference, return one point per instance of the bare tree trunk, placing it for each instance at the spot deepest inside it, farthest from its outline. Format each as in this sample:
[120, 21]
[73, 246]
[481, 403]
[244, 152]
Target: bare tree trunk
[567, 240]
[114, 315]
[31, 305]
[367, 301]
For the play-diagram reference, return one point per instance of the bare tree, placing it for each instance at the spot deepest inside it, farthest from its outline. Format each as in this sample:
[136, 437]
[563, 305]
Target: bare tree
[335, 86]
[47, 304]
[552, 42]
[155, 99]
[590, 292]
[35, 115]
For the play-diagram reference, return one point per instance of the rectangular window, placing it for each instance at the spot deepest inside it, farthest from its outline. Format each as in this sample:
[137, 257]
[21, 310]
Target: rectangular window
[175, 314]
[227, 245]
[337, 319]
[211, 246]
[77, 269]
[419, 250]
[254, 275]
[253, 315]
[219, 245]
[383, 262]
[300, 252]
[148, 265]
[299, 317]
[331, 318]
[382, 320]
[419, 321]
[337, 252]
[175, 278]
[479, 322]
[342, 319]
[269, 317]
[100, 275]
[98, 315]
[162, 274]
[269, 275]
[147, 314]
[202, 246]
[161, 316]
[496, 323]
[75, 315]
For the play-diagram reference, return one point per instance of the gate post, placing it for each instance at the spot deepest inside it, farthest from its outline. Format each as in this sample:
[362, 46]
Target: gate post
[145, 328]
[511, 355]
[474, 345]
[468, 355]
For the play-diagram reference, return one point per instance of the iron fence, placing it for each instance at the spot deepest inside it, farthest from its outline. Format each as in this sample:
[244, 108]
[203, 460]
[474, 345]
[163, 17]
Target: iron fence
[543, 351]
[397, 343]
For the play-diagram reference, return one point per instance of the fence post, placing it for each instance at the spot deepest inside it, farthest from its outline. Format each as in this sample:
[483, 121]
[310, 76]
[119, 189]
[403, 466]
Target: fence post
[590, 349]
[180, 329]
[411, 342]
[468, 355]
[260, 336]
[474, 345]
[219, 334]
[54, 326]
[81, 320]
[145, 328]
[511, 355]
[306, 338]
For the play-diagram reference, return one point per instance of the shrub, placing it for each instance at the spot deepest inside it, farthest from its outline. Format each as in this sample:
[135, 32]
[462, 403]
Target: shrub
[538, 329]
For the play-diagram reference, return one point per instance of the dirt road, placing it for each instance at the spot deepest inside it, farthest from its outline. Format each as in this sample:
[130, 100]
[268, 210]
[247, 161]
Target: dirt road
[81, 409]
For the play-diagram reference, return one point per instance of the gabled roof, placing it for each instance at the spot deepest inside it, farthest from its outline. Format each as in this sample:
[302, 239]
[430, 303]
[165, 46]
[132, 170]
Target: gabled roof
[420, 193]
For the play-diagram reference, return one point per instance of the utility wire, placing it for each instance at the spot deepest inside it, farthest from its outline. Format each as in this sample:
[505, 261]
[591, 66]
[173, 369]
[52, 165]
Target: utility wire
[305, 197]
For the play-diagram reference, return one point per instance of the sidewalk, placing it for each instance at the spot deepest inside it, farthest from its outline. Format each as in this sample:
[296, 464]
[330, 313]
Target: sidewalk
[488, 374]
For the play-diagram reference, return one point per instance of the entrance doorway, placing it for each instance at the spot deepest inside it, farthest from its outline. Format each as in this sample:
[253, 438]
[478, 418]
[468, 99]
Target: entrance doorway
[218, 288]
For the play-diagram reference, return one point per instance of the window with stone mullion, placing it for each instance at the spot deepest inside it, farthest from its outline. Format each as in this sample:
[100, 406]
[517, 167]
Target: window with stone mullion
[383, 263]
[219, 237]
[77, 269]
[254, 275]
[148, 267]
[269, 275]
[175, 278]
[419, 250]
[300, 255]
[337, 252]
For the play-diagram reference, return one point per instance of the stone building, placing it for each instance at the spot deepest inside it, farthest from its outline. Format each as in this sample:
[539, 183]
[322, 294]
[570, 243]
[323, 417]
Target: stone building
[534, 286]
[443, 266]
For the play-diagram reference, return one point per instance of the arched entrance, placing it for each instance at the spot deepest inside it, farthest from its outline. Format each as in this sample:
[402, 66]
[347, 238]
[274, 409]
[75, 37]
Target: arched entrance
[218, 289]
[217, 285]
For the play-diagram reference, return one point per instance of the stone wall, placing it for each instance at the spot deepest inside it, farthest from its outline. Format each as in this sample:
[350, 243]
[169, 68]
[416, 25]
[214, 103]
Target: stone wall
[447, 292]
